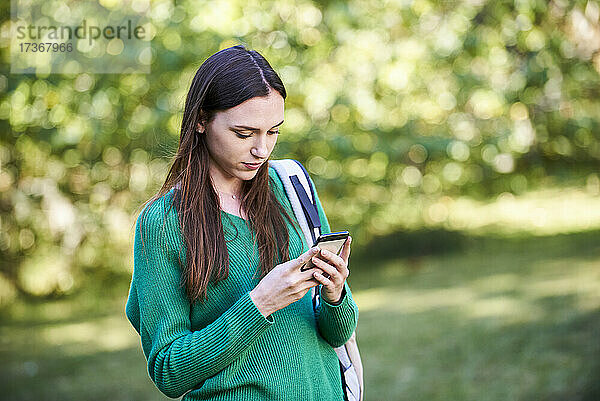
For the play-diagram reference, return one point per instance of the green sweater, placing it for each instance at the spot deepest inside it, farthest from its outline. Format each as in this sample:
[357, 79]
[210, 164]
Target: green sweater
[224, 348]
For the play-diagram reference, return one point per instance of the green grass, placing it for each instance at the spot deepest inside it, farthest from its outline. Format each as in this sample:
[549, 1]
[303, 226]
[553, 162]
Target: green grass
[507, 319]
[502, 319]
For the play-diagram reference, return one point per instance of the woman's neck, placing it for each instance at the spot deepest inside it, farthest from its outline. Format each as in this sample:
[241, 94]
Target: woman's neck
[225, 184]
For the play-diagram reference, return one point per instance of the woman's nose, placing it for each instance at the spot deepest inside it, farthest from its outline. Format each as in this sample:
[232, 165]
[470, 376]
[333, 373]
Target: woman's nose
[260, 148]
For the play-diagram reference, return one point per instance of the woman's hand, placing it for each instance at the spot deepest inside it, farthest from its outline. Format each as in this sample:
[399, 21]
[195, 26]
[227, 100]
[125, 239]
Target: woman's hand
[336, 267]
[284, 284]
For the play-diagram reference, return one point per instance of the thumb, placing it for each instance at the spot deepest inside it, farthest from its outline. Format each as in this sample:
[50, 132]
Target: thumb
[305, 257]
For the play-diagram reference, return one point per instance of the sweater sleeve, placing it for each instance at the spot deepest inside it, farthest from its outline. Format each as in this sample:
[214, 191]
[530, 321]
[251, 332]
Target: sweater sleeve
[178, 358]
[336, 323]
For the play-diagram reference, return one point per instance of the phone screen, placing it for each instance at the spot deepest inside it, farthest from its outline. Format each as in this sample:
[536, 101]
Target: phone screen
[333, 242]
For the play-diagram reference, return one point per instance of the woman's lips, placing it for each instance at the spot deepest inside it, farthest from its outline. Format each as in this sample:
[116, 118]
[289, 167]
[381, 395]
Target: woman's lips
[252, 166]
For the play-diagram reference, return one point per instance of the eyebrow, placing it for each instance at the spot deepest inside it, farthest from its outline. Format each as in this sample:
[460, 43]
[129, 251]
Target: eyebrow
[256, 129]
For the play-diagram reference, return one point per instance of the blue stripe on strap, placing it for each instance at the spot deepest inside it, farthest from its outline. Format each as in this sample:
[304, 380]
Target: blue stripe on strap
[309, 208]
[307, 178]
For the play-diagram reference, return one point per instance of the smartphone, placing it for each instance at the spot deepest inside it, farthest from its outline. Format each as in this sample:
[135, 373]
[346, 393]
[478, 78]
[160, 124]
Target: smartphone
[333, 242]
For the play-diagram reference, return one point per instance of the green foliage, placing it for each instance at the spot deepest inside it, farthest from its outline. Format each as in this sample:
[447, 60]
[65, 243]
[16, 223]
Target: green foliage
[392, 108]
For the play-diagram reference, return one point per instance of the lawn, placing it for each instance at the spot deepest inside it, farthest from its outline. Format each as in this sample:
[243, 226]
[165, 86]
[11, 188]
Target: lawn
[506, 319]
[499, 319]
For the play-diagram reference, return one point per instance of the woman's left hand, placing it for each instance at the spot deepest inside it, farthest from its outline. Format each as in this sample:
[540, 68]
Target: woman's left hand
[336, 267]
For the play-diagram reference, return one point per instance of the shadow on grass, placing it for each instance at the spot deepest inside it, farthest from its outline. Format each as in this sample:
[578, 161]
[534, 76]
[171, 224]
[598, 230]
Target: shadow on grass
[423, 258]
[419, 243]
[446, 354]
[488, 318]
[50, 374]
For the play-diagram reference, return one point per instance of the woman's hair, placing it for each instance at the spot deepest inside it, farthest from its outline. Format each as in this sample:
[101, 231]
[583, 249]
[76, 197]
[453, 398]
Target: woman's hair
[226, 79]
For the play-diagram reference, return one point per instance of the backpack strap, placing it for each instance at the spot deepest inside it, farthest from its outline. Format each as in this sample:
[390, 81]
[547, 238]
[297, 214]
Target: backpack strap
[298, 185]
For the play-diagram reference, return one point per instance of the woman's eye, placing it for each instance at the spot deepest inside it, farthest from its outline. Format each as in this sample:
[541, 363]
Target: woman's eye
[242, 135]
[248, 136]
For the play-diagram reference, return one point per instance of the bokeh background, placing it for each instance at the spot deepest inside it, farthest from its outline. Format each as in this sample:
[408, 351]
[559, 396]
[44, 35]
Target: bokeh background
[458, 141]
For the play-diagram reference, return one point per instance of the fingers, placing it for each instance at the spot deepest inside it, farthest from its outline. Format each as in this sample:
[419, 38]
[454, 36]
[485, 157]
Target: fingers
[310, 282]
[346, 250]
[323, 280]
[325, 267]
[308, 274]
[302, 259]
[332, 259]
[335, 275]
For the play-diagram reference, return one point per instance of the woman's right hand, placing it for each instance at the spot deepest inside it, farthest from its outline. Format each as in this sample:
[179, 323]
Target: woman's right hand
[284, 284]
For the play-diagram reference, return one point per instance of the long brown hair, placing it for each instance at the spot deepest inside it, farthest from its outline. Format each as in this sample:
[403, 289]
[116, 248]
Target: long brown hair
[226, 79]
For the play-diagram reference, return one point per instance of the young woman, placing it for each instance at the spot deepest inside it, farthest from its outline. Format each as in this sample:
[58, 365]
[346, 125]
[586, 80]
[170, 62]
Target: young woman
[217, 295]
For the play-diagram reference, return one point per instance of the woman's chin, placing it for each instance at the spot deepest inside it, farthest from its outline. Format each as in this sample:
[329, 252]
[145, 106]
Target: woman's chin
[246, 175]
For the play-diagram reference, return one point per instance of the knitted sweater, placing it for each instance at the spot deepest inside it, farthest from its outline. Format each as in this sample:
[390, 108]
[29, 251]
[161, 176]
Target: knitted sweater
[223, 348]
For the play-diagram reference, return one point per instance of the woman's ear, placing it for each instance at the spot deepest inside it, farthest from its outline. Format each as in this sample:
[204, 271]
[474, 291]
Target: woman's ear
[201, 126]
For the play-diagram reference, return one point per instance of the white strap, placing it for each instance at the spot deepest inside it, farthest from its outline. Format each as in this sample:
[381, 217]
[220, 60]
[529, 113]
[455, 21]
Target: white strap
[286, 168]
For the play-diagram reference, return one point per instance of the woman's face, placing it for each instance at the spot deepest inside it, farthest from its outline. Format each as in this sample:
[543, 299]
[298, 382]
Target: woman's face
[240, 135]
